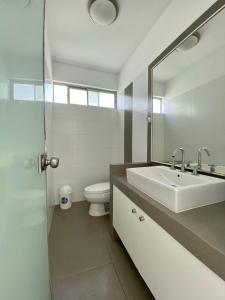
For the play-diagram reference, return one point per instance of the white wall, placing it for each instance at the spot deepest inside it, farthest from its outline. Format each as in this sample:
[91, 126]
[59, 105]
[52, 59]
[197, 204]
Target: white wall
[87, 140]
[174, 20]
[83, 76]
[140, 111]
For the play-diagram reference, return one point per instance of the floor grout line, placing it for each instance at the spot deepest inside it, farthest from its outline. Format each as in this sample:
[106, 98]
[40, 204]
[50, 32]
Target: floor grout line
[81, 272]
[121, 285]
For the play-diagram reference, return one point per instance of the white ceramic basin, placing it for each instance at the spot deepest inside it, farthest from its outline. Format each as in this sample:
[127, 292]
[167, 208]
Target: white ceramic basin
[175, 190]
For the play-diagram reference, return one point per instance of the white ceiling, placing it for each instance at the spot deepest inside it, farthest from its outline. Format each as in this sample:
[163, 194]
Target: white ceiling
[75, 39]
[212, 38]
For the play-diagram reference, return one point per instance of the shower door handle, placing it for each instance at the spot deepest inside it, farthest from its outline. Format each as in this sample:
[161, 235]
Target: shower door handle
[44, 162]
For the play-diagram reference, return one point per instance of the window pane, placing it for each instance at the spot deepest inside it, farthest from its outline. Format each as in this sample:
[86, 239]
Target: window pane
[93, 98]
[48, 92]
[39, 93]
[78, 96]
[156, 106]
[22, 91]
[60, 93]
[106, 100]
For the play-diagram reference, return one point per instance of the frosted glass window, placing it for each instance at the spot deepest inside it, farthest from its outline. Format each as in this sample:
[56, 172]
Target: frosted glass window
[157, 105]
[93, 98]
[106, 99]
[39, 93]
[78, 96]
[23, 91]
[60, 93]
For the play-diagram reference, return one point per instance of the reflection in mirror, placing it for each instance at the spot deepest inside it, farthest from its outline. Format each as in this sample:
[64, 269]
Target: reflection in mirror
[190, 83]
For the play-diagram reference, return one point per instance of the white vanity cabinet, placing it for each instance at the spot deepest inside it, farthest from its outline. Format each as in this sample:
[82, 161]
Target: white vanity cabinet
[170, 270]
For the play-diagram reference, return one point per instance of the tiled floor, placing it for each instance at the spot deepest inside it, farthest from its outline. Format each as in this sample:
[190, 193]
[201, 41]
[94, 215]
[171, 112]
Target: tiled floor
[86, 264]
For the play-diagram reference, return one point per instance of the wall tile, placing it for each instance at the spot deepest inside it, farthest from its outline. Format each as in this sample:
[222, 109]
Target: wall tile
[87, 140]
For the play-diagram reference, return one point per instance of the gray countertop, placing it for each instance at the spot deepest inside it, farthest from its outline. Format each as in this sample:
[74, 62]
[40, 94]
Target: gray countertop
[200, 230]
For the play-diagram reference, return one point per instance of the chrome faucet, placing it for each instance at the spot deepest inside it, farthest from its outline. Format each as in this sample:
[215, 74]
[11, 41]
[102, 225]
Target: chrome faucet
[182, 159]
[200, 156]
[195, 170]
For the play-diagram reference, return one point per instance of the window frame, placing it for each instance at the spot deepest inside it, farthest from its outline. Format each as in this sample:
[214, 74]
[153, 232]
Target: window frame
[87, 89]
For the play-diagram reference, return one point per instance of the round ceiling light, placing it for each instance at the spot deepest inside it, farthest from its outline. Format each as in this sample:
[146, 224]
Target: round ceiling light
[190, 42]
[103, 12]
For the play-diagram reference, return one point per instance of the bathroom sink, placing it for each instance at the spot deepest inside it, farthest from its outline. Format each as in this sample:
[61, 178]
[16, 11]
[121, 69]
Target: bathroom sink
[176, 190]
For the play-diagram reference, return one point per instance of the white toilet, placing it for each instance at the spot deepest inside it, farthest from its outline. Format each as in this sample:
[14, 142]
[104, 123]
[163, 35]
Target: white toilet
[98, 195]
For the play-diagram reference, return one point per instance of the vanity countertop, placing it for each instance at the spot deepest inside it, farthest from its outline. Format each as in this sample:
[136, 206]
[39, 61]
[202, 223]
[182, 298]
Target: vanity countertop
[201, 231]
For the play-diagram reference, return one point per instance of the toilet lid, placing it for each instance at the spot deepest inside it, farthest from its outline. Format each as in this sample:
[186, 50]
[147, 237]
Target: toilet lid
[98, 188]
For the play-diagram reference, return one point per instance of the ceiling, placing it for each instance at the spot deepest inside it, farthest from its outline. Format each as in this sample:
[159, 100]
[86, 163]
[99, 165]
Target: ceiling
[75, 39]
[211, 40]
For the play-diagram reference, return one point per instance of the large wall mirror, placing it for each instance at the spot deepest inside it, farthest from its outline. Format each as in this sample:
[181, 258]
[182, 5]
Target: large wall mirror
[189, 98]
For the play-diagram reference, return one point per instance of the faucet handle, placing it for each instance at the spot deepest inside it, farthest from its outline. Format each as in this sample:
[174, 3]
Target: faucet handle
[188, 164]
[212, 168]
[173, 163]
[195, 170]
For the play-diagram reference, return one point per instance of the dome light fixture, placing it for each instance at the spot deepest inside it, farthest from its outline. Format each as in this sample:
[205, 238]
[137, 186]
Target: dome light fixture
[190, 42]
[103, 12]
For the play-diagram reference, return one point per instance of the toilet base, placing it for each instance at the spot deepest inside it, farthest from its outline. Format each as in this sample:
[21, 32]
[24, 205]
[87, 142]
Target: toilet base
[97, 210]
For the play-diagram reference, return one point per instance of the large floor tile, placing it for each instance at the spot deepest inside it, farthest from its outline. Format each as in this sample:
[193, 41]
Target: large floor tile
[76, 242]
[131, 281]
[98, 284]
[78, 256]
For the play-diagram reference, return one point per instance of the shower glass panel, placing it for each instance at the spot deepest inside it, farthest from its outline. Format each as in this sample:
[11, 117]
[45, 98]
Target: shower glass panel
[24, 273]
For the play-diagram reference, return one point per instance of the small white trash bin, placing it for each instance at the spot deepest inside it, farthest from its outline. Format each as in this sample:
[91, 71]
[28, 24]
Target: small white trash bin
[65, 196]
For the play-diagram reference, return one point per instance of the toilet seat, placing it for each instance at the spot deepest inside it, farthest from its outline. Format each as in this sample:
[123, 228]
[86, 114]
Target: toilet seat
[98, 188]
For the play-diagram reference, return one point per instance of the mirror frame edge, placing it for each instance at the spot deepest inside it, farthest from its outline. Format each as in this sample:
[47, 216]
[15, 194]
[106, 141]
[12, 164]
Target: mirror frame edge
[212, 11]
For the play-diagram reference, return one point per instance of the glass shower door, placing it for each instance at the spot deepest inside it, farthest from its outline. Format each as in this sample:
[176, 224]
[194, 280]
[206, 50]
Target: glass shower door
[24, 273]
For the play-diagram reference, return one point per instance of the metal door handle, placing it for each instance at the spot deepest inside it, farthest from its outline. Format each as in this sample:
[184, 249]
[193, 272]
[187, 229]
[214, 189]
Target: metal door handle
[134, 211]
[141, 218]
[44, 162]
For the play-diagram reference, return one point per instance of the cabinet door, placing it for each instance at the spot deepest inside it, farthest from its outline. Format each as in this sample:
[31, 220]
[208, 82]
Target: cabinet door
[125, 221]
[172, 272]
